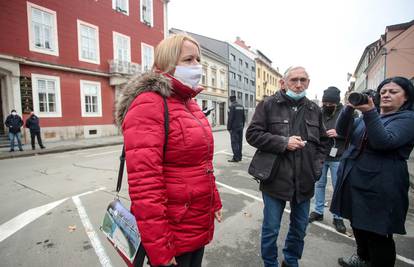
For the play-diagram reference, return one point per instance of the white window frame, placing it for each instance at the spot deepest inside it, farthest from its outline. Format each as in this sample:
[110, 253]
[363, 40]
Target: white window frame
[143, 45]
[115, 35]
[115, 7]
[151, 14]
[54, 33]
[35, 95]
[99, 99]
[97, 61]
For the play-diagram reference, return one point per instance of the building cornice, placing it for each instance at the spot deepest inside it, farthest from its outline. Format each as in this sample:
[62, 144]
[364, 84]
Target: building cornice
[30, 62]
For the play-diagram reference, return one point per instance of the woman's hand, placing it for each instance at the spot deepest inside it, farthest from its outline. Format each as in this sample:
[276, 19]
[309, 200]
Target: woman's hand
[217, 215]
[172, 262]
[365, 107]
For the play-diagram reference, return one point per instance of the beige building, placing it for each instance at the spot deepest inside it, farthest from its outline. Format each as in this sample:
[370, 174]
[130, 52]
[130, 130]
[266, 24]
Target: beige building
[214, 80]
[267, 78]
[391, 55]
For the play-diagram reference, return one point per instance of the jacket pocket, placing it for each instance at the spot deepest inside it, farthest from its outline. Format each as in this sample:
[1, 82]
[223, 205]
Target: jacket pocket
[312, 129]
[279, 126]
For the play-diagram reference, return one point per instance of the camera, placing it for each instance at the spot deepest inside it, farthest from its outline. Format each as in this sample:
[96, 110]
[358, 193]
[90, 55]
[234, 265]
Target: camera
[361, 98]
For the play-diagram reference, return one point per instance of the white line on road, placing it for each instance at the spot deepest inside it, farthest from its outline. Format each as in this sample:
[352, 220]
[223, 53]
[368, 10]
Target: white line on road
[326, 227]
[99, 249]
[20, 221]
[103, 153]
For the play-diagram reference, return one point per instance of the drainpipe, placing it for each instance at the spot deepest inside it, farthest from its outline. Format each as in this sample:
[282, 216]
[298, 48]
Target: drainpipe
[166, 31]
[384, 53]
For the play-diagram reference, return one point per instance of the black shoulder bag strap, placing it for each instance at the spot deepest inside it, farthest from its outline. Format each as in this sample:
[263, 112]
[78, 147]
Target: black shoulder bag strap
[122, 157]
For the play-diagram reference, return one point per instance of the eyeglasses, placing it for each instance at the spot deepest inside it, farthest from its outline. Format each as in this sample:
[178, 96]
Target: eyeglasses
[296, 80]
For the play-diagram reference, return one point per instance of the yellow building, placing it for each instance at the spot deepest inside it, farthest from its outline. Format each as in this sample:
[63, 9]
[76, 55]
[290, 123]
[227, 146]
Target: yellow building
[267, 78]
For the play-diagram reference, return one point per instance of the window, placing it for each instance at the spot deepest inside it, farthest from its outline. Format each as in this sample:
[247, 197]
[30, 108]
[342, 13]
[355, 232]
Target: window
[204, 76]
[246, 100]
[239, 77]
[146, 12]
[241, 62]
[222, 79]
[239, 96]
[233, 92]
[233, 57]
[252, 82]
[246, 64]
[232, 75]
[91, 98]
[88, 42]
[246, 80]
[258, 72]
[253, 68]
[213, 77]
[251, 101]
[46, 95]
[147, 60]
[42, 27]
[121, 6]
[122, 47]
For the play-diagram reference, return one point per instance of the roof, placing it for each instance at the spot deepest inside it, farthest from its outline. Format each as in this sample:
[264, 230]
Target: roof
[401, 26]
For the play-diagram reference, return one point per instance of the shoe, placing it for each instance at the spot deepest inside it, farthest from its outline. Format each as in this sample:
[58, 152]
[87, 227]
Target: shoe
[20, 149]
[339, 225]
[42, 147]
[353, 261]
[33, 148]
[233, 160]
[314, 216]
[284, 264]
[11, 150]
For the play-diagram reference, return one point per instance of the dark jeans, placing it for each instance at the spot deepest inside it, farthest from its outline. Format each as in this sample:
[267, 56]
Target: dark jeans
[190, 259]
[236, 136]
[39, 139]
[378, 249]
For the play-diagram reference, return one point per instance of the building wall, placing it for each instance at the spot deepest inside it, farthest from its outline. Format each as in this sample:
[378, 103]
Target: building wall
[267, 80]
[400, 57]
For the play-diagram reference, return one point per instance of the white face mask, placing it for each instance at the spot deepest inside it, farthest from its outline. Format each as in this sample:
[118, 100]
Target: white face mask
[14, 113]
[189, 75]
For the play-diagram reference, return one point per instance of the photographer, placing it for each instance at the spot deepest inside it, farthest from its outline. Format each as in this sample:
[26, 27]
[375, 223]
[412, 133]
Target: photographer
[373, 179]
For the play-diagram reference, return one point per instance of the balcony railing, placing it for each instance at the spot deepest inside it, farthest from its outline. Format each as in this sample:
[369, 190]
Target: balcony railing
[124, 67]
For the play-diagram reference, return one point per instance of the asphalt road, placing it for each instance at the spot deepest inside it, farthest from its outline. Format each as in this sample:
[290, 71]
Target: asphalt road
[52, 206]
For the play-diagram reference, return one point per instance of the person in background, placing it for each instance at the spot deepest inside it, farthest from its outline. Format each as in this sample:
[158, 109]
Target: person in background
[235, 125]
[373, 179]
[32, 122]
[173, 195]
[289, 125]
[331, 108]
[14, 122]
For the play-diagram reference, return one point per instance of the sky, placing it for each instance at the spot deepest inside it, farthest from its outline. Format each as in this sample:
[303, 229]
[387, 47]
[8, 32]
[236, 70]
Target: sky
[327, 37]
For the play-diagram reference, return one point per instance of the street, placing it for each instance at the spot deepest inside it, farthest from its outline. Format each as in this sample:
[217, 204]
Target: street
[53, 205]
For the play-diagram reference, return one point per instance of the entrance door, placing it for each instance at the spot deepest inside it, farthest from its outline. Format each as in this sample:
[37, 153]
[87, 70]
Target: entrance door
[221, 113]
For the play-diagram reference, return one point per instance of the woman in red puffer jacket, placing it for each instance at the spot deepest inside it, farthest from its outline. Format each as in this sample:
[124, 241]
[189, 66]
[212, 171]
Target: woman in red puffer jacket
[174, 196]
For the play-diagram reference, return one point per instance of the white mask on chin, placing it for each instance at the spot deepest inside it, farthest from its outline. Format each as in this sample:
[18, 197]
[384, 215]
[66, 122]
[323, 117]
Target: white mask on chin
[189, 75]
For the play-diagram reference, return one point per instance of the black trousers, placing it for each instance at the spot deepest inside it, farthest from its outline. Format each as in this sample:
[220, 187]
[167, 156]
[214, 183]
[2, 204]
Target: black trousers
[39, 139]
[378, 249]
[236, 137]
[190, 259]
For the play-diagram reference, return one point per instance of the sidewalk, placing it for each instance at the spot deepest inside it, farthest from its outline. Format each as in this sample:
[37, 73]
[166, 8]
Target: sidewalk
[69, 145]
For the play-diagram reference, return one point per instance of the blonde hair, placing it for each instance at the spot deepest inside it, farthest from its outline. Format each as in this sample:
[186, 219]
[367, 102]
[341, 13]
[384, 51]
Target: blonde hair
[168, 51]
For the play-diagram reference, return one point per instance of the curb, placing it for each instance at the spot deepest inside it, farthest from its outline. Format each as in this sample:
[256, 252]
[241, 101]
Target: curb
[29, 153]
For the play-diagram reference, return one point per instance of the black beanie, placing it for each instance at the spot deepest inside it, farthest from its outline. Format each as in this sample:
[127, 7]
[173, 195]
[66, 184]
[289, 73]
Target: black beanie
[332, 95]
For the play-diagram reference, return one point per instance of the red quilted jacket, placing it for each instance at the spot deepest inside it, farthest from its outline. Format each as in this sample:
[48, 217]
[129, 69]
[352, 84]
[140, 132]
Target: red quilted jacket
[173, 200]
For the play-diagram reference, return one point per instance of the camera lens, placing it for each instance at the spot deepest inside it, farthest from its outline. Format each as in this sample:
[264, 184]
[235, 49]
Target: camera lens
[357, 99]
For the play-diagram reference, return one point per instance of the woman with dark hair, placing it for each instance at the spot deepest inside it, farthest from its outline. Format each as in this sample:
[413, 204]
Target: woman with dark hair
[373, 179]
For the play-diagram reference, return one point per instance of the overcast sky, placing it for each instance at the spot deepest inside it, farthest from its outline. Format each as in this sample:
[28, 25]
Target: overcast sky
[325, 36]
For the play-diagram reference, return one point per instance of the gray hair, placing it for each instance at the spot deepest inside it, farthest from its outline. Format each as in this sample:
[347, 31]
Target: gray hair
[288, 70]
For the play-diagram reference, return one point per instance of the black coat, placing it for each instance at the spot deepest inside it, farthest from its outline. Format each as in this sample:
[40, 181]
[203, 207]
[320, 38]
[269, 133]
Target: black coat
[273, 122]
[373, 179]
[33, 124]
[236, 117]
[14, 123]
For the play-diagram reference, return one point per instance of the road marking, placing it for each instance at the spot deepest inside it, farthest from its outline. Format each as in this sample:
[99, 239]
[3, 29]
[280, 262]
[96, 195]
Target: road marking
[103, 153]
[220, 152]
[326, 227]
[93, 237]
[20, 221]
[230, 154]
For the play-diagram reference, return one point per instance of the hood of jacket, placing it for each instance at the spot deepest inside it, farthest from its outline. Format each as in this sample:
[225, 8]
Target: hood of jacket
[161, 83]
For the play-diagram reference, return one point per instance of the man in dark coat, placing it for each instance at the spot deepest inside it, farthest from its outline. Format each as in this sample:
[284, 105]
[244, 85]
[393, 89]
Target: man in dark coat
[33, 124]
[235, 125]
[289, 125]
[331, 108]
[14, 122]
